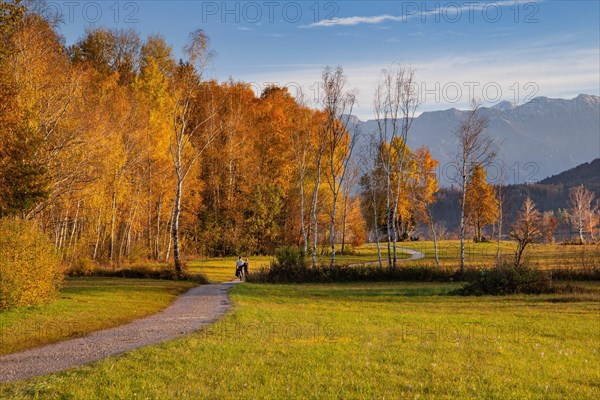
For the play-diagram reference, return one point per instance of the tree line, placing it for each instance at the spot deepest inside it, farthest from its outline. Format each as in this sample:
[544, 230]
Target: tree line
[121, 152]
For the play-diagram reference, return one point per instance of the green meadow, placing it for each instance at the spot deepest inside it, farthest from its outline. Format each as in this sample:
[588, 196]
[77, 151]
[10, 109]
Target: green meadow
[400, 340]
[363, 341]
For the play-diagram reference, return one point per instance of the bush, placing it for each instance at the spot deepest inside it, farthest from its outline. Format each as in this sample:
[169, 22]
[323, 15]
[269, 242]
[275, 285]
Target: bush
[82, 267]
[506, 278]
[289, 256]
[576, 274]
[30, 269]
[148, 270]
[303, 273]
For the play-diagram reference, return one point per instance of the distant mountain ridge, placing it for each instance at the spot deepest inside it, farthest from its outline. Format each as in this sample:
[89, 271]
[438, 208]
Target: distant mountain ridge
[587, 174]
[550, 194]
[540, 138]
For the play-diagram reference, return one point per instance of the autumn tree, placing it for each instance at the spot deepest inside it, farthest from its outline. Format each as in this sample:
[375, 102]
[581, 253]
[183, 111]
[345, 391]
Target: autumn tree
[23, 177]
[404, 170]
[356, 226]
[481, 207]
[110, 51]
[189, 138]
[593, 220]
[302, 140]
[154, 96]
[264, 227]
[527, 229]
[48, 95]
[423, 192]
[550, 223]
[372, 186]
[348, 200]
[11, 16]
[320, 147]
[475, 148]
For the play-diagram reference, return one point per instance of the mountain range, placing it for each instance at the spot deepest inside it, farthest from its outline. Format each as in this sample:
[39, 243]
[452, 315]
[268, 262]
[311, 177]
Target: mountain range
[550, 194]
[537, 139]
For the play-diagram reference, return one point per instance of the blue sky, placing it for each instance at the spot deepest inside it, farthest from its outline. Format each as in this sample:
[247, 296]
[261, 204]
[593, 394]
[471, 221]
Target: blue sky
[493, 51]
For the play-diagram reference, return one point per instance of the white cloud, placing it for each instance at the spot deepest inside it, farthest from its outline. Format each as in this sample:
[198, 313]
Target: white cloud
[355, 21]
[450, 11]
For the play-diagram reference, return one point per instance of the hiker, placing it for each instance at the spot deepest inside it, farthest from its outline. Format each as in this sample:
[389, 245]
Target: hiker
[245, 265]
[239, 264]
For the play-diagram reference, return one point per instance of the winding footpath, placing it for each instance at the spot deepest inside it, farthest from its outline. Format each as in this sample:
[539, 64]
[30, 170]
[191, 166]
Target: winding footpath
[414, 255]
[194, 309]
[191, 311]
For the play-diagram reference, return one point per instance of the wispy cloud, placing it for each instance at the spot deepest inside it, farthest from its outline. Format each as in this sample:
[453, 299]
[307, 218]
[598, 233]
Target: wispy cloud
[412, 10]
[357, 20]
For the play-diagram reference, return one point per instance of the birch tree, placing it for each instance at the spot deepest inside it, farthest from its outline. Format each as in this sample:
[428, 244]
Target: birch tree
[302, 145]
[319, 152]
[580, 200]
[396, 102]
[338, 104]
[371, 183]
[189, 139]
[475, 148]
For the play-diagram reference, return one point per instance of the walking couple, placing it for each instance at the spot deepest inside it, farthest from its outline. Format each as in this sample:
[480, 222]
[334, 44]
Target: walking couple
[241, 268]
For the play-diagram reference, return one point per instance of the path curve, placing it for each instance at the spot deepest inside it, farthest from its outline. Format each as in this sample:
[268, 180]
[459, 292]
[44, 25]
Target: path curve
[194, 309]
[414, 255]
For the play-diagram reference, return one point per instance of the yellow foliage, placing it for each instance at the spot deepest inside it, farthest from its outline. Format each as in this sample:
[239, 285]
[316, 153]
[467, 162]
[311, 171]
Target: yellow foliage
[481, 206]
[29, 265]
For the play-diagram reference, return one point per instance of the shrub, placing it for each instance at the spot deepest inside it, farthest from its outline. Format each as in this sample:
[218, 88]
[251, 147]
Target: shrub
[507, 278]
[289, 256]
[146, 270]
[82, 267]
[30, 269]
[576, 274]
[303, 273]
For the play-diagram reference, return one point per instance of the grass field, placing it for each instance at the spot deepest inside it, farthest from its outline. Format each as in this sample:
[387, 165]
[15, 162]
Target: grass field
[360, 341]
[222, 269]
[85, 305]
[547, 256]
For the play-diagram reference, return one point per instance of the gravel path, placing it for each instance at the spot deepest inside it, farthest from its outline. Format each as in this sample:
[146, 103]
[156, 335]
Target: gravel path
[414, 255]
[199, 306]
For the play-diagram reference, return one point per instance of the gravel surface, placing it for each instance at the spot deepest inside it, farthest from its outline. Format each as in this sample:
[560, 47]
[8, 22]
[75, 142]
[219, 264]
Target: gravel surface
[198, 307]
[414, 255]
